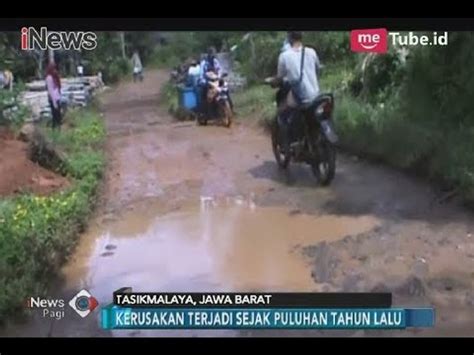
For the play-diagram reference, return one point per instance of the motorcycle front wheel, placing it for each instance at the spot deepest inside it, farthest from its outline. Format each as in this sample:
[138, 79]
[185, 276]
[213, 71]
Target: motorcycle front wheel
[282, 159]
[226, 113]
[201, 120]
[324, 168]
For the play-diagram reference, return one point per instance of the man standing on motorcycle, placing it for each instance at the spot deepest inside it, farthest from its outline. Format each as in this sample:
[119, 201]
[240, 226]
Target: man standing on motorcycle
[298, 69]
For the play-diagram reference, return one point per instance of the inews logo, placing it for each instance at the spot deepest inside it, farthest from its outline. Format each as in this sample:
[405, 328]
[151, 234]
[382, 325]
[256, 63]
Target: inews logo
[44, 39]
[376, 40]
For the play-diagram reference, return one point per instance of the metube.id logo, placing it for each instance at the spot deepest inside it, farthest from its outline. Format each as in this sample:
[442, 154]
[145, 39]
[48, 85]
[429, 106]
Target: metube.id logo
[369, 40]
[83, 303]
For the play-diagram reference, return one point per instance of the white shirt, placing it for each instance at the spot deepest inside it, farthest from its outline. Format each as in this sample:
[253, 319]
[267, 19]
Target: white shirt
[289, 63]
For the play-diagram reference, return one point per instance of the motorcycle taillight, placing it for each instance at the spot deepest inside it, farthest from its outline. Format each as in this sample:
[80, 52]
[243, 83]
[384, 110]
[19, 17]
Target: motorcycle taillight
[327, 107]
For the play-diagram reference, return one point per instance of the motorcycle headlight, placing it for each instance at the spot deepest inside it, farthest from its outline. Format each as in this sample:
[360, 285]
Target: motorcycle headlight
[320, 110]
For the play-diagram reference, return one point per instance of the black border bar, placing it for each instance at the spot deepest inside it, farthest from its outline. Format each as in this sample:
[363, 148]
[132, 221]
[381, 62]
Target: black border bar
[129, 345]
[236, 24]
[277, 300]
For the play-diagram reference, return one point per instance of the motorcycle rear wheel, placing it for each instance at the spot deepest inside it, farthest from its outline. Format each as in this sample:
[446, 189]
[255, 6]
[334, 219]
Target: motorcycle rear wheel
[282, 159]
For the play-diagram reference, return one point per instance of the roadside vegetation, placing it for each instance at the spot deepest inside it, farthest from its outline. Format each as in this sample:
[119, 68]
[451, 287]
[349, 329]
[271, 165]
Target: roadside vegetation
[410, 108]
[111, 57]
[38, 232]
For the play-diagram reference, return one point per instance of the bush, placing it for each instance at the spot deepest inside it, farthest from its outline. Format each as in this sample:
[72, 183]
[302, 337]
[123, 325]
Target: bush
[440, 83]
[117, 69]
[256, 101]
[12, 111]
[169, 97]
[37, 233]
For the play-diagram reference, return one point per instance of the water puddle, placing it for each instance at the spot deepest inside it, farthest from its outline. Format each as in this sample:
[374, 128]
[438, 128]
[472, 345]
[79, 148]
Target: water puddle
[227, 245]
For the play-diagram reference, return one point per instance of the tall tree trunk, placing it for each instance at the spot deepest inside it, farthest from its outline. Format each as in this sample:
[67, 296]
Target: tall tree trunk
[51, 55]
[253, 55]
[72, 67]
[38, 55]
[122, 40]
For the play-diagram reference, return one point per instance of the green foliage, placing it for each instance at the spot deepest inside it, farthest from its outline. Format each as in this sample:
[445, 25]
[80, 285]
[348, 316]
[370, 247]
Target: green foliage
[336, 78]
[169, 97]
[380, 131]
[258, 55]
[12, 111]
[37, 233]
[377, 76]
[107, 58]
[412, 108]
[23, 64]
[183, 45]
[88, 131]
[440, 84]
[258, 101]
[117, 69]
[330, 46]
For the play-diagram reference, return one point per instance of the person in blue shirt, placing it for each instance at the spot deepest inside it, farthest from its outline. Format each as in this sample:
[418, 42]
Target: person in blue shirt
[210, 63]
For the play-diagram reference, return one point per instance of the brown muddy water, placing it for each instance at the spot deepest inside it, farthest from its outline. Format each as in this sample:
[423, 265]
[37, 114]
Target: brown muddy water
[214, 246]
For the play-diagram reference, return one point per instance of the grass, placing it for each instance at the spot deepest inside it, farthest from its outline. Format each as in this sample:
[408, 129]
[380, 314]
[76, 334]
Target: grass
[256, 102]
[169, 97]
[38, 233]
[164, 58]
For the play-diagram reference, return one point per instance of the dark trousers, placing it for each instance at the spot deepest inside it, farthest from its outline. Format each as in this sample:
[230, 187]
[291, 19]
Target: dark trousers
[138, 76]
[204, 105]
[56, 112]
[284, 117]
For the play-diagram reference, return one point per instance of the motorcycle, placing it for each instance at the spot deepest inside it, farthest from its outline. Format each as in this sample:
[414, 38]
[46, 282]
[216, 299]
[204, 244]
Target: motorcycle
[311, 133]
[217, 100]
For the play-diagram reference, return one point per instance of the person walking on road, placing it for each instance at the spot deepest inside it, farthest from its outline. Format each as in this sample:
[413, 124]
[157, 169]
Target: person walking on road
[137, 67]
[53, 84]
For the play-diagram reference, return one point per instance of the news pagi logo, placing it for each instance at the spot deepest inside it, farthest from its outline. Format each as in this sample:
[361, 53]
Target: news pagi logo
[83, 303]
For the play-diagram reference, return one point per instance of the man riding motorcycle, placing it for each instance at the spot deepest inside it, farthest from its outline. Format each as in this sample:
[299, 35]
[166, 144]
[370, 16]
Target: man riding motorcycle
[298, 69]
[210, 64]
[210, 68]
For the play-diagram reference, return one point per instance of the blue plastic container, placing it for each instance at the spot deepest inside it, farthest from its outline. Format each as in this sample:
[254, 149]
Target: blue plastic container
[188, 98]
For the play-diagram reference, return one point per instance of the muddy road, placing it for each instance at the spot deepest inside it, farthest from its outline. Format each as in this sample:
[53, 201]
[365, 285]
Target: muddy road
[188, 208]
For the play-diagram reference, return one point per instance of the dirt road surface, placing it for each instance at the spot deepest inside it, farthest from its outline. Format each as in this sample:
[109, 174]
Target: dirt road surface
[189, 208]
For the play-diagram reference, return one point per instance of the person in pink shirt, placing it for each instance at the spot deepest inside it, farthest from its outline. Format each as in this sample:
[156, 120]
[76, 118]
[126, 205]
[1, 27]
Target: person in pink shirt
[53, 84]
